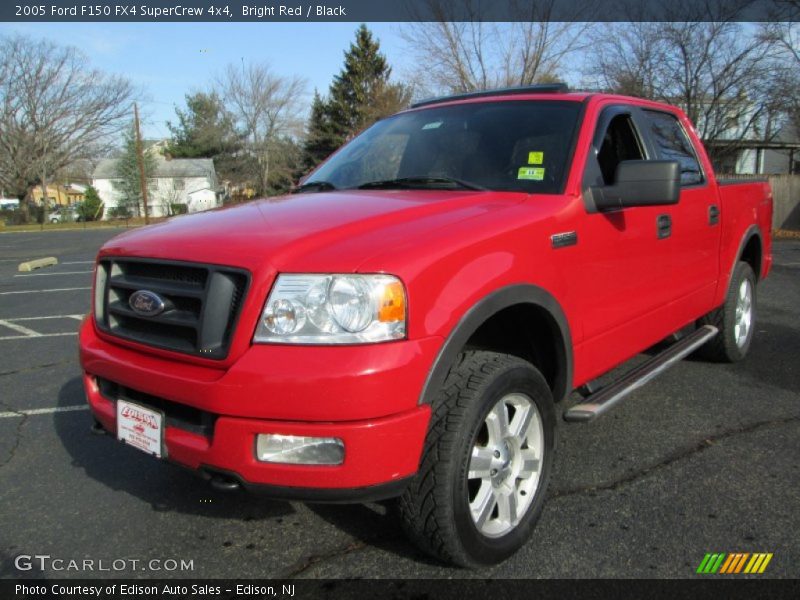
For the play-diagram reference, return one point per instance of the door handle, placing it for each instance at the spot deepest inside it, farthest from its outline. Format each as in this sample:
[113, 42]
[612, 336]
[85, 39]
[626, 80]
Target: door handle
[664, 226]
[713, 214]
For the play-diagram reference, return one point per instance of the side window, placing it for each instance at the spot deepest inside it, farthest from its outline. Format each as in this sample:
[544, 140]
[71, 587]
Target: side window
[672, 144]
[620, 142]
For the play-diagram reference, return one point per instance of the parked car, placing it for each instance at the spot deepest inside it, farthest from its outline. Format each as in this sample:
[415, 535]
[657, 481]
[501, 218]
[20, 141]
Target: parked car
[404, 325]
[65, 214]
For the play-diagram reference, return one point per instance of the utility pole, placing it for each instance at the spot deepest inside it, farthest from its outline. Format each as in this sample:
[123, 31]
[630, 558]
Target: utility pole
[140, 160]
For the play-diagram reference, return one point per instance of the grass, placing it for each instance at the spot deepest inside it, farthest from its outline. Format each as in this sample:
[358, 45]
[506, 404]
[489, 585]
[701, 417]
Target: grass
[115, 223]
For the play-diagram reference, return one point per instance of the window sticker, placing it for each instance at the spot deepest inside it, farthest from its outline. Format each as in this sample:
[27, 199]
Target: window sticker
[432, 125]
[531, 173]
[535, 158]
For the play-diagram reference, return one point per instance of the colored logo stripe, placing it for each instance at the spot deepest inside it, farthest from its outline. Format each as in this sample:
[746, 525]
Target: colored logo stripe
[734, 563]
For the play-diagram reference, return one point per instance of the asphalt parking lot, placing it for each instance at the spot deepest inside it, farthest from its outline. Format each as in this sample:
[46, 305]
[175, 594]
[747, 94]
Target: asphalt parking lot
[704, 459]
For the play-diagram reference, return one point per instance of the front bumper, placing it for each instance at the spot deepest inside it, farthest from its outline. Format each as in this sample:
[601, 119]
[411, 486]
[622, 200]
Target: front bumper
[365, 395]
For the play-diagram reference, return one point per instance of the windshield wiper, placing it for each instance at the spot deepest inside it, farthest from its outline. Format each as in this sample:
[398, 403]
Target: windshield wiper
[314, 186]
[420, 182]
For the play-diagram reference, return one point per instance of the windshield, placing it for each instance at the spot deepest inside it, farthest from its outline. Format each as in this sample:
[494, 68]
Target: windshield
[509, 145]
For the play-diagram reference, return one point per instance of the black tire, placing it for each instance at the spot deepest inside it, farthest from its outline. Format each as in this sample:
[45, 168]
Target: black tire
[435, 507]
[724, 347]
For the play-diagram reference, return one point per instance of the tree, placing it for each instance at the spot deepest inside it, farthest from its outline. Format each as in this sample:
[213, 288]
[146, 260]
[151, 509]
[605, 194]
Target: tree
[458, 52]
[54, 110]
[130, 188]
[206, 130]
[784, 32]
[91, 209]
[360, 94]
[265, 107]
[724, 78]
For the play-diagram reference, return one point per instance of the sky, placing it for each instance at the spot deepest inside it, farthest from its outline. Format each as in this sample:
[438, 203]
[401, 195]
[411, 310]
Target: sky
[169, 60]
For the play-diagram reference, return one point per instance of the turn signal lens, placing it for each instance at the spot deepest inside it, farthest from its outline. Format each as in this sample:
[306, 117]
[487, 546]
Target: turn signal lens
[392, 303]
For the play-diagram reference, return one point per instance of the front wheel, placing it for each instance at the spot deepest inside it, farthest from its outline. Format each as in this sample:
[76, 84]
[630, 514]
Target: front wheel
[735, 319]
[486, 463]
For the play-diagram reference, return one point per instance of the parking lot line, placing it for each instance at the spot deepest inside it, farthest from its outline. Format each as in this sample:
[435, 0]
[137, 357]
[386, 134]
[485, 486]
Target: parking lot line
[19, 329]
[51, 274]
[42, 411]
[78, 262]
[44, 291]
[15, 319]
[38, 336]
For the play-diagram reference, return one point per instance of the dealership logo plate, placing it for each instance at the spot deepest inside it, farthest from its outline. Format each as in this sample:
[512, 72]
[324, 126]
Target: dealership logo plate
[140, 427]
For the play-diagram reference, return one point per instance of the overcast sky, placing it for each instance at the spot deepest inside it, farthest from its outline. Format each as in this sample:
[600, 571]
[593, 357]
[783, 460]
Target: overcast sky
[167, 60]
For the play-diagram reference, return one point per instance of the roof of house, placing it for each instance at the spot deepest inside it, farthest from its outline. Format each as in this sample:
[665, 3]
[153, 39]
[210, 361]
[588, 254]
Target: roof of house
[176, 167]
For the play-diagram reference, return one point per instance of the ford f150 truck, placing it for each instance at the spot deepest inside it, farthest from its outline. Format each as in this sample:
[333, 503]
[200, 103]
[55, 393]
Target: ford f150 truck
[405, 324]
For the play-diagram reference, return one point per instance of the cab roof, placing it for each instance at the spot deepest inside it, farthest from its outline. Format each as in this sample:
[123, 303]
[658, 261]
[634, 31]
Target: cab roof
[557, 89]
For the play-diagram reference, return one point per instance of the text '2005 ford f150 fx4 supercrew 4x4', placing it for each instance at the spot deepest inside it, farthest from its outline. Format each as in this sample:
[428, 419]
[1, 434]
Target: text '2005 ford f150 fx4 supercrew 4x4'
[403, 325]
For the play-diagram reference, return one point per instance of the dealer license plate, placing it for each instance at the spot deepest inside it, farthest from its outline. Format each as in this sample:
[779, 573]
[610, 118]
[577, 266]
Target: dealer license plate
[141, 427]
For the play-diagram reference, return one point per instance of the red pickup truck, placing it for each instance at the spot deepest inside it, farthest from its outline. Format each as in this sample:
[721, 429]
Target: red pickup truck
[405, 324]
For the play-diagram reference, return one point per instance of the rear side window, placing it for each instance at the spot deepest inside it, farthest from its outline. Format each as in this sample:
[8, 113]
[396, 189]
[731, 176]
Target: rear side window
[672, 144]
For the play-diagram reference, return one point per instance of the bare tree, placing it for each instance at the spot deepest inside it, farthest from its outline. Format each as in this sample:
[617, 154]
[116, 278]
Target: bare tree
[719, 72]
[54, 110]
[784, 32]
[457, 52]
[266, 106]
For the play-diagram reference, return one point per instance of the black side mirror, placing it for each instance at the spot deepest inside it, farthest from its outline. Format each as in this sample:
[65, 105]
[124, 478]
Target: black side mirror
[640, 183]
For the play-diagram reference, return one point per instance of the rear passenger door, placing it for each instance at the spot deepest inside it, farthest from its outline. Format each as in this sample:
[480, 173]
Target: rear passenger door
[695, 223]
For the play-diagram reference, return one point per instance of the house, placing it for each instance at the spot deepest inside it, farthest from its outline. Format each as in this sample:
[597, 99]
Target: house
[777, 156]
[174, 183]
[60, 195]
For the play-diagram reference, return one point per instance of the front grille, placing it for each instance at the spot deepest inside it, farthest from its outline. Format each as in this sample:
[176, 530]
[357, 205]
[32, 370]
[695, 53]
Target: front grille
[177, 415]
[201, 304]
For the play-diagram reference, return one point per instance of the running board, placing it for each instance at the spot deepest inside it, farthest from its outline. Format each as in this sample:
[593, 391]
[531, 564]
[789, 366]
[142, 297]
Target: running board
[606, 398]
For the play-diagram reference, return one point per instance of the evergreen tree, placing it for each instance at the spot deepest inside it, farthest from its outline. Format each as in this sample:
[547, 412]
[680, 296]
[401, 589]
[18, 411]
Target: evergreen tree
[131, 203]
[322, 137]
[359, 95]
[206, 130]
[91, 207]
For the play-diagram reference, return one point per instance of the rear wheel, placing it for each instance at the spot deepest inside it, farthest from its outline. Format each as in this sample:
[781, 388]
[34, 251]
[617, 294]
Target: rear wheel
[486, 463]
[735, 319]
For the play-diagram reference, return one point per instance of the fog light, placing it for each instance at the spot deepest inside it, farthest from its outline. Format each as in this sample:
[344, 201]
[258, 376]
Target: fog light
[299, 449]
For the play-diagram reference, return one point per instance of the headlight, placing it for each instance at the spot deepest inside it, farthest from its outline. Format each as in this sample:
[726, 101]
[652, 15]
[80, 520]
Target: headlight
[333, 309]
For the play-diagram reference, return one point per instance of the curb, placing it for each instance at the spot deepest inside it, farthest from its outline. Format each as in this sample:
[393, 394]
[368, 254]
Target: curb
[37, 263]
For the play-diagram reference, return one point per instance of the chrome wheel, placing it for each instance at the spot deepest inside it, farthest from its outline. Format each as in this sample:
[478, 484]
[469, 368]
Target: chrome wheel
[505, 465]
[743, 319]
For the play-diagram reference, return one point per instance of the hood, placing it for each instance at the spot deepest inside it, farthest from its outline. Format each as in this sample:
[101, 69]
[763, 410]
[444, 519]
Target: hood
[329, 231]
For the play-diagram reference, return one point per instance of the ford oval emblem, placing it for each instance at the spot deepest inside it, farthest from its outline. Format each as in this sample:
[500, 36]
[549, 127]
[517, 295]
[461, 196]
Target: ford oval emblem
[146, 303]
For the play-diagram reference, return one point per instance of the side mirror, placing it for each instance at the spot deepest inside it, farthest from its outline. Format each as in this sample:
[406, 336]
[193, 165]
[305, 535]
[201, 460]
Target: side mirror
[640, 183]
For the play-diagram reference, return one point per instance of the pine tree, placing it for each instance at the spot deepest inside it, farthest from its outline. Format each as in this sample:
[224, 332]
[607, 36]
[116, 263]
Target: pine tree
[131, 203]
[206, 130]
[322, 137]
[359, 95]
[91, 207]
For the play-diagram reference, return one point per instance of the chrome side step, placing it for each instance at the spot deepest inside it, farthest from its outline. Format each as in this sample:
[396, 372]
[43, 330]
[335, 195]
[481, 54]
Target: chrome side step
[604, 399]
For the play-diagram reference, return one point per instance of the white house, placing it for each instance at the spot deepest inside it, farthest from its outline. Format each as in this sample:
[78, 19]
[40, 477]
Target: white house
[188, 181]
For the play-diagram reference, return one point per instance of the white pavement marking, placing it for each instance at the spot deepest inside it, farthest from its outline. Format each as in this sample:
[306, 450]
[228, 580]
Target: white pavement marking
[51, 274]
[43, 411]
[19, 329]
[79, 262]
[45, 291]
[79, 317]
[37, 336]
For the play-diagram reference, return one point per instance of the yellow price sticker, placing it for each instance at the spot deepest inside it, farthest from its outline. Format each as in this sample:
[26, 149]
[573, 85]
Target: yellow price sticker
[535, 158]
[531, 173]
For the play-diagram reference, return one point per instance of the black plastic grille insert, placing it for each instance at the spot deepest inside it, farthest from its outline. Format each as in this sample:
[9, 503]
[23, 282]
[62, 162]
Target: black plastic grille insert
[202, 304]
